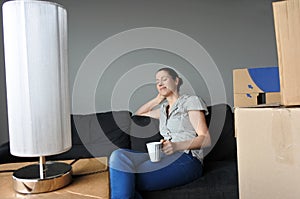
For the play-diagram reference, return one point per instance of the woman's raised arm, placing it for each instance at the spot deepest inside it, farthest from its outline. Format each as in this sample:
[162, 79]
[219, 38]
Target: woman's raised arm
[147, 108]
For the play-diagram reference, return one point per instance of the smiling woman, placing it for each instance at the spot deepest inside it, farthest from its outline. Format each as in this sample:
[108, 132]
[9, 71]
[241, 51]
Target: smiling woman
[183, 127]
[170, 74]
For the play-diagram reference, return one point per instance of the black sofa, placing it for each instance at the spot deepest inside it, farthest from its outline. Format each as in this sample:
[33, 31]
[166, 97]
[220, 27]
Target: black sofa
[96, 135]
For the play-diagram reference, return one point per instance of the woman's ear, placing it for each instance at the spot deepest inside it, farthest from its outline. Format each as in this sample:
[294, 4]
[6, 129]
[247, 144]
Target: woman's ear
[177, 81]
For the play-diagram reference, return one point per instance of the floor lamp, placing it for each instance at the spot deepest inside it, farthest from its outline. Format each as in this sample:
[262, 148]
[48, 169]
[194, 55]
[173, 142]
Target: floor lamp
[36, 65]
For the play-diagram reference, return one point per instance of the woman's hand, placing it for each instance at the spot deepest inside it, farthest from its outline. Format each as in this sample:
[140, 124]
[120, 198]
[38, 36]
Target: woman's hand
[168, 147]
[160, 98]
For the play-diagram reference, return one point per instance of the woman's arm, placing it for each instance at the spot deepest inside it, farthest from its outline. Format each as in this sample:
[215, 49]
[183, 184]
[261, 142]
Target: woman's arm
[198, 121]
[147, 109]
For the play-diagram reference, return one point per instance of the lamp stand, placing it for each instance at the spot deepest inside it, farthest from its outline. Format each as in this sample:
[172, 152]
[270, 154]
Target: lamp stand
[42, 177]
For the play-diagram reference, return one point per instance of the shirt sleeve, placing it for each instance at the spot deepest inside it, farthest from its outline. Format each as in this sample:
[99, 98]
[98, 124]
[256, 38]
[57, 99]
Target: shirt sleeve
[195, 103]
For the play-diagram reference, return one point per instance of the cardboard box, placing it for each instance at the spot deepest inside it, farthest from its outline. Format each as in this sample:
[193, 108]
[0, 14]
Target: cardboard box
[254, 86]
[268, 146]
[254, 99]
[287, 29]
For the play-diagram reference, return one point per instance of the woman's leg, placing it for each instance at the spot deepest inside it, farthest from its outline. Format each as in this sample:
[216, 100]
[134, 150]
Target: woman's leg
[122, 169]
[130, 170]
[178, 169]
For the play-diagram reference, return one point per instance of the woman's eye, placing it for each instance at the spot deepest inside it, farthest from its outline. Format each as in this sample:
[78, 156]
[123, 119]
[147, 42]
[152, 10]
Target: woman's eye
[161, 80]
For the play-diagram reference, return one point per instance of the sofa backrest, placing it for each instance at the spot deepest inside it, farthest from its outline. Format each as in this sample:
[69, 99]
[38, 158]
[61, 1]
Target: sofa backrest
[143, 130]
[99, 134]
[220, 123]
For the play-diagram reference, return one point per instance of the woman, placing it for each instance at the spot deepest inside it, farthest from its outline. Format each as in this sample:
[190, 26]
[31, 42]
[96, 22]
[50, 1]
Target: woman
[183, 126]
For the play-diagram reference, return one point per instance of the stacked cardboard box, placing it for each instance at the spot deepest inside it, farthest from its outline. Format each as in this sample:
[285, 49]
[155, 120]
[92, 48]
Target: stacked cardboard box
[254, 86]
[287, 29]
[268, 138]
[268, 143]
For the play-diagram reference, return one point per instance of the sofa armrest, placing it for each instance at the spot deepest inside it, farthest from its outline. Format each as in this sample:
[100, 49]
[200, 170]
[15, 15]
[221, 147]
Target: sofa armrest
[221, 127]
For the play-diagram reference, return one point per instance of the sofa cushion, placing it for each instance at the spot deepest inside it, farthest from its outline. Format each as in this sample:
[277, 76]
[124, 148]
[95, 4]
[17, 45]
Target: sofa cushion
[219, 181]
[143, 130]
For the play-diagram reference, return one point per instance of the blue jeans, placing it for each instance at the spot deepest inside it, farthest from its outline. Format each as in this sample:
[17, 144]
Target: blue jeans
[132, 171]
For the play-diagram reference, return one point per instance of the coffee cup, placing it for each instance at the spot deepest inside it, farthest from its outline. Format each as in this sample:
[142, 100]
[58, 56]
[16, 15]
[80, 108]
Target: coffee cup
[154, 151]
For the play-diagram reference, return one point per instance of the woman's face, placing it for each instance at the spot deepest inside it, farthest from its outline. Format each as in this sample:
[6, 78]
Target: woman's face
[165, 84]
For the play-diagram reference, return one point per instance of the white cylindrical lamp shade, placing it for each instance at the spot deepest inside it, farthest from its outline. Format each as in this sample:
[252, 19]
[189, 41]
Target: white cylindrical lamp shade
[36, 64]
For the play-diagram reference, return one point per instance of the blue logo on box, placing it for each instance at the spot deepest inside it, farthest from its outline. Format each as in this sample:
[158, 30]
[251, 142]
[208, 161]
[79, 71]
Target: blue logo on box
[267, 79]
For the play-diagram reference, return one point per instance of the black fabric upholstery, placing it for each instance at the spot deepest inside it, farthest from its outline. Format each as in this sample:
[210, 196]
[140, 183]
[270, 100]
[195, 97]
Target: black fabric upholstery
[143, 130]
[102, 133]
[221, 127]
[6, 157]
[218, 182]
[93, 135]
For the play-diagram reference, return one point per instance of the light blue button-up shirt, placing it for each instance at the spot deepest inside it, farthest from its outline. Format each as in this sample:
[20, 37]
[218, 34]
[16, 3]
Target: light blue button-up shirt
[178, 124]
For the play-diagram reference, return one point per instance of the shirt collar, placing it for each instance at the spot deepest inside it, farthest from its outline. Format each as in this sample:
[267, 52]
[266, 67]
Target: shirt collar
[174, 107]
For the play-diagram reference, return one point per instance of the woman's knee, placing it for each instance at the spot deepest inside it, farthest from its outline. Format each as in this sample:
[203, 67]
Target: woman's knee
[121, 159]
[116, 155]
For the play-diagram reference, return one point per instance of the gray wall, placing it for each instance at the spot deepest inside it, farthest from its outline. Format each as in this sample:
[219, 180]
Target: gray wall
[113, 53]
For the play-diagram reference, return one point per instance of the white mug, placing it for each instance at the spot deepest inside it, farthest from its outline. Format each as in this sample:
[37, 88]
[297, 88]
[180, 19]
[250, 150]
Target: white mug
[154, 151]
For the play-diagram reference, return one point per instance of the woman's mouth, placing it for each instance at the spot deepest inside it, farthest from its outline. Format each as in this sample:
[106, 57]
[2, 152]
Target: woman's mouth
[162, 88]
